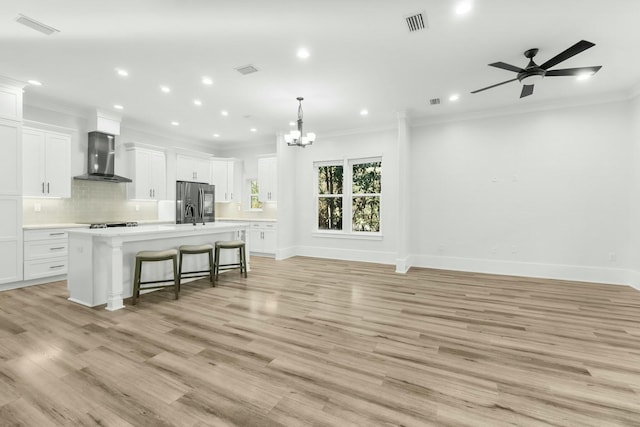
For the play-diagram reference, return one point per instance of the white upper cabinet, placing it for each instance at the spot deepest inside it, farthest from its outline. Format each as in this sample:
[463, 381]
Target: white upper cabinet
[190, 168]
[222, 176]
[268, 179]
[149, 171]
[46, 164]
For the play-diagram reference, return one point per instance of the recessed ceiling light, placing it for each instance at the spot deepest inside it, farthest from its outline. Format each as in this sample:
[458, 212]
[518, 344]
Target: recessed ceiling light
[584, 76]
[224, 113]
[118, 107]
[34, 82]
[253, 130]
[197, 102]
[364, 112]
[303, 53]
[121, 72]
[207, 80]
[216, 135]
[165, 89]
[454, 97]
[292, 123]
[463, 7]
[175, 123]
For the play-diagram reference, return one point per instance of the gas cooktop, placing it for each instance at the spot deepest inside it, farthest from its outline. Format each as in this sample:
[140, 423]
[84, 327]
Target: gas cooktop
[114, 224]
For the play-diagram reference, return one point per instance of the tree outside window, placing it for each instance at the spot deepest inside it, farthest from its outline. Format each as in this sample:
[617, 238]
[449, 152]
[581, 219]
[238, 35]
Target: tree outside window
[330, 197]
[365, 197]
[255, 203]
[349, 189]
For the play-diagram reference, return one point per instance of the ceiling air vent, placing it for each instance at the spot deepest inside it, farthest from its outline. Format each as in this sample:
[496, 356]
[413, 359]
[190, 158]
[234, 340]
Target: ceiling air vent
[36, 25]
[434, 101]
[416, 22]
[247, 69]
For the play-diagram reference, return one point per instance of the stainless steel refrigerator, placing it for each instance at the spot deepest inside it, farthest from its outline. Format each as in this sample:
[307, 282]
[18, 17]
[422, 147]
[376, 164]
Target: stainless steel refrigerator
[195, 203]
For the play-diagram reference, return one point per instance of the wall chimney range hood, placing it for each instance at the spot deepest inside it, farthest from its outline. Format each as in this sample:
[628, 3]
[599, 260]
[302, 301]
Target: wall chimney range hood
[100, 159]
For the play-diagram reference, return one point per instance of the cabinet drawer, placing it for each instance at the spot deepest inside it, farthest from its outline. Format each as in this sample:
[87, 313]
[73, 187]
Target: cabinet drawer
[40, 249]
[30, 235]
[44, 268]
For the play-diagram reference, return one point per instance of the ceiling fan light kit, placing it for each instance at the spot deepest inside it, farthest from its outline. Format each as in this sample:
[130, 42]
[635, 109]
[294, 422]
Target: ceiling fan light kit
[296, 137]
[534, 73]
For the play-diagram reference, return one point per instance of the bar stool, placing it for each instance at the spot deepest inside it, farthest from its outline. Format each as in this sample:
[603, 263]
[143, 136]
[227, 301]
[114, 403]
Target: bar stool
[193, 250]
[231, 244]
[155, 256]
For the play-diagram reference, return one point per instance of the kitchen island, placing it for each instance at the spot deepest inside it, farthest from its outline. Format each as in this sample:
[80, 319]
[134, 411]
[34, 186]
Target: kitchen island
[102, 261]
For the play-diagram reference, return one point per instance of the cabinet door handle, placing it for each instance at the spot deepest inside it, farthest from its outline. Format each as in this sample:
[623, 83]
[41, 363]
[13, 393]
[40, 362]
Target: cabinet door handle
[57, 266]
[225, 196]
[56, 234]
[56, 249]
[42, 187]
[48, 188]
[231, 196]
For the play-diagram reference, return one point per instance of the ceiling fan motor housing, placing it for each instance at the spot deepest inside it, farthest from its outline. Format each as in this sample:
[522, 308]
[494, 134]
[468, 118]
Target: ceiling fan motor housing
[532, 73]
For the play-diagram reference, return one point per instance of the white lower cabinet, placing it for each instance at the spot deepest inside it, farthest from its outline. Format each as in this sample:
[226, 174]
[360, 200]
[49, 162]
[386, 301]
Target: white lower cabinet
[45, 253]
[262, 238]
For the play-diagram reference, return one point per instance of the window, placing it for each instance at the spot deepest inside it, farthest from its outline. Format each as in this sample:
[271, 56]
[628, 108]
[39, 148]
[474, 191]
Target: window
[365, 197]
[255, 203]
[330, 197]
[350, 190]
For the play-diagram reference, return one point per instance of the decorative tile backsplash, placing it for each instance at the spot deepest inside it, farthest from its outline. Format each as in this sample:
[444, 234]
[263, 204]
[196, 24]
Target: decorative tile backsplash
[91, 201]
[235, 210]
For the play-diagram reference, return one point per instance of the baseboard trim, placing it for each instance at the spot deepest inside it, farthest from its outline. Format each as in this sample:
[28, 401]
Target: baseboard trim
[403, 264]
[347, 254]
[284, 253]
[32, 282]
[615, 276]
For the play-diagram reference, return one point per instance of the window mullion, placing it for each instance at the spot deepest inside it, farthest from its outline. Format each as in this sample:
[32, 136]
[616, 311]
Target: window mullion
[347, 201]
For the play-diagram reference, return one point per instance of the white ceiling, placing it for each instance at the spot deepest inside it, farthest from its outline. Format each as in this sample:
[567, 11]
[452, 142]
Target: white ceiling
[362, 56]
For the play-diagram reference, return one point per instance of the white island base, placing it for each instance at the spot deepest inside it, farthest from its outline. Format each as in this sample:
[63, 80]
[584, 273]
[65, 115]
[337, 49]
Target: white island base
[102, 261]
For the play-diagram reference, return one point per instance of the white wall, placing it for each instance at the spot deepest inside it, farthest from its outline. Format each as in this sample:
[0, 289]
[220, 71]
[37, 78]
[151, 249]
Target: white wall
[542, 194]
[338, 148]
[634, 195]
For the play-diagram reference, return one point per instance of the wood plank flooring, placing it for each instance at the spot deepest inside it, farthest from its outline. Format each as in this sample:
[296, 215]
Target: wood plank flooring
[327, 343]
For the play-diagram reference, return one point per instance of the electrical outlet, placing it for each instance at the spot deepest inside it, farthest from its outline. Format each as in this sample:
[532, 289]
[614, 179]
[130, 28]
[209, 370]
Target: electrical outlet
[37, 207]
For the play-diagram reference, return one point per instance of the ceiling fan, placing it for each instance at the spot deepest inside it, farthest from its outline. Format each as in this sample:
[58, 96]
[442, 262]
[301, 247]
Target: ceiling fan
[533, 72]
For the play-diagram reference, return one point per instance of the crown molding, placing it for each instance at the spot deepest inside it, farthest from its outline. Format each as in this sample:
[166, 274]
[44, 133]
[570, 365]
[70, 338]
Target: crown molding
[607, 98]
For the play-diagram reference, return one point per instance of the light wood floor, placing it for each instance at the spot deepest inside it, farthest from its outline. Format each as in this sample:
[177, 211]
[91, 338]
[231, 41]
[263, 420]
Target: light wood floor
[328, 343]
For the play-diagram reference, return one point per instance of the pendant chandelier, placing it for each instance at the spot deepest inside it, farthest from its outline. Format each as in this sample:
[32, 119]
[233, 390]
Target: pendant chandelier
[295, 137]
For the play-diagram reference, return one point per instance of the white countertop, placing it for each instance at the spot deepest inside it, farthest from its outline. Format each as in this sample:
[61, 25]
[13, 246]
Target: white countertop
[46, 226]
[160, 230]
[247, 219]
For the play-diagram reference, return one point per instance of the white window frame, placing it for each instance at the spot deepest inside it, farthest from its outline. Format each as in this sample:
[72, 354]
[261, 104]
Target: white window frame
[249, 194]
[347, 201]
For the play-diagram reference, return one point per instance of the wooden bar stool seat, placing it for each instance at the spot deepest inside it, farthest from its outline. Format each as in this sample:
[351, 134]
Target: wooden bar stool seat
[231, 244]
[193, 250]
[155, 256]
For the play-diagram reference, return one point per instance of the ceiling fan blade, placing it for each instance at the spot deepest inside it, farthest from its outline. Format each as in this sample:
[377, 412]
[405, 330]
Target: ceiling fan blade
[506, 66]
[526, 90]
[492, 86]
[581, 46]
[573, 71]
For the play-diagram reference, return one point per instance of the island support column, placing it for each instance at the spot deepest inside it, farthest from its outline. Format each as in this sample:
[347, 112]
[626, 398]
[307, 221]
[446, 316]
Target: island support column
[114, 297]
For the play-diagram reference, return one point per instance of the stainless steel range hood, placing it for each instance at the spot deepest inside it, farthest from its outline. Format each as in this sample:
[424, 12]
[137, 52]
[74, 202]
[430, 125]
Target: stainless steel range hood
[100, 159]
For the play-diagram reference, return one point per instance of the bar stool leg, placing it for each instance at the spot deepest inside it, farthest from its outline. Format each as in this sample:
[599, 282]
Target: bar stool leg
[217, 263]
[244, 261]
[180, 269]
[176, 277]
[136, 282]
[211, 267]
